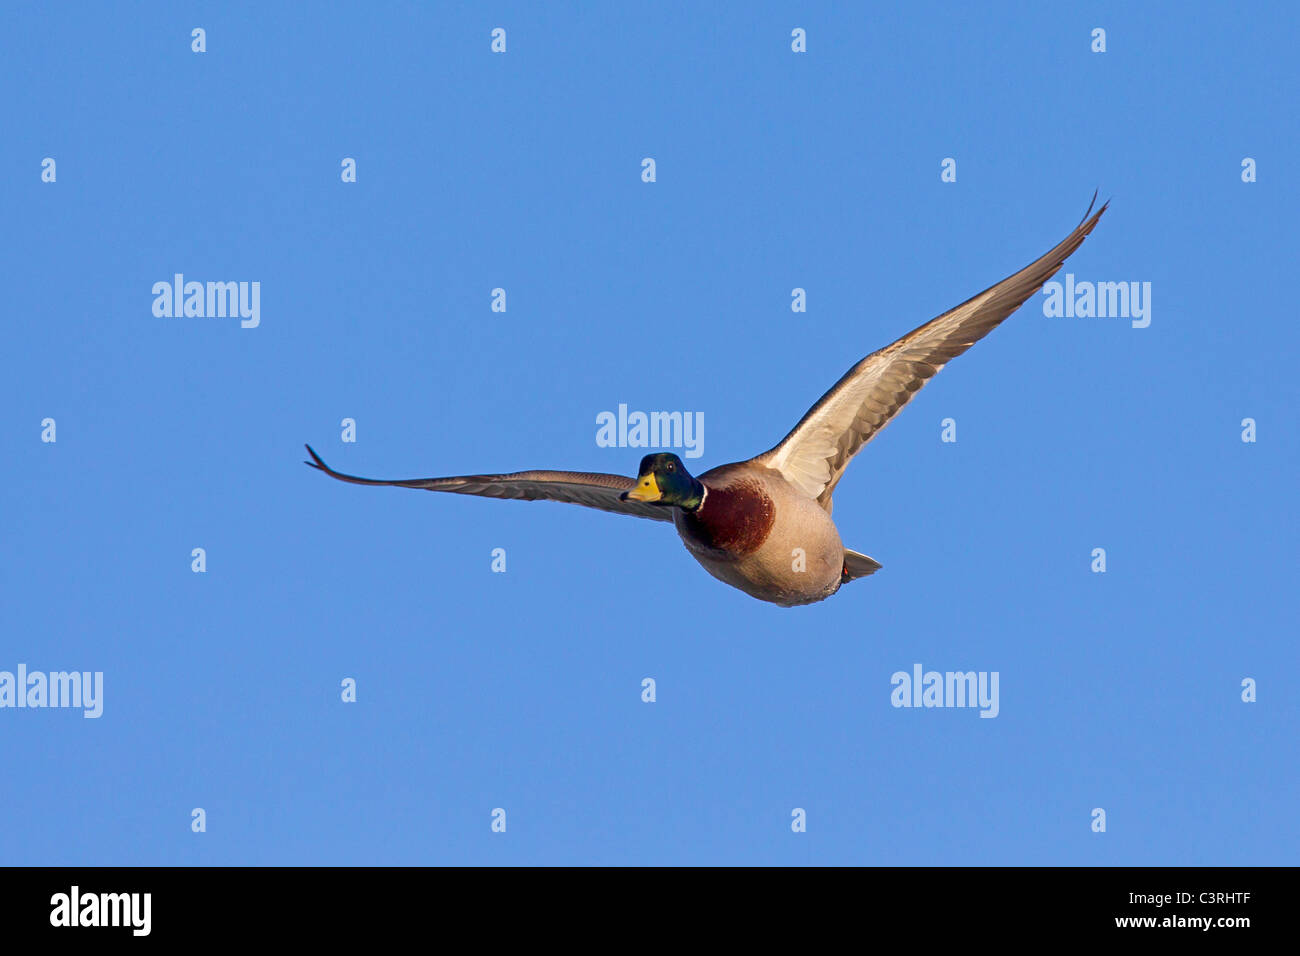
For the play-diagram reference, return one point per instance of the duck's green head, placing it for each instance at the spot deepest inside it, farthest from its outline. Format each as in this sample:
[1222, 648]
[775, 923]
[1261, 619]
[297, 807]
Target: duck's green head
[664, 480]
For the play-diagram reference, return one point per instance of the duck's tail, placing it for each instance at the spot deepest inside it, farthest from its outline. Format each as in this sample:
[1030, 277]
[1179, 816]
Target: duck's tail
[857, 566]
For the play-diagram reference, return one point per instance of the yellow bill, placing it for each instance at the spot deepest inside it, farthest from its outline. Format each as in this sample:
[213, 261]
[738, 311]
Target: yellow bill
[647, 489]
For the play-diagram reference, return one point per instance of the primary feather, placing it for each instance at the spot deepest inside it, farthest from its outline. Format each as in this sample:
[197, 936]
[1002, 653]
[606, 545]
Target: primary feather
[815, 454]
[589, 489]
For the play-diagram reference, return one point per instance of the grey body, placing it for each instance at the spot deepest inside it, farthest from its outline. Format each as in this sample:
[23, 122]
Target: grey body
[755, 532]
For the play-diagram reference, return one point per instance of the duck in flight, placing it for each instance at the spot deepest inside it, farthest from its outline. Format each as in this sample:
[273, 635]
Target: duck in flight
[764, 525]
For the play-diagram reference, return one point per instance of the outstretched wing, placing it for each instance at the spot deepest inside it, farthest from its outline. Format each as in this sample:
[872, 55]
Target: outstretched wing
[575, 488]
[814, 455]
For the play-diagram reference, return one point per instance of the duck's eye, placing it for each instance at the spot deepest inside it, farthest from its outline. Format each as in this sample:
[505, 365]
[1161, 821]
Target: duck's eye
[671, 466]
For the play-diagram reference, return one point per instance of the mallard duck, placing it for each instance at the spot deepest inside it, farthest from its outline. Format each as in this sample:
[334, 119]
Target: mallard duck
[764, 525]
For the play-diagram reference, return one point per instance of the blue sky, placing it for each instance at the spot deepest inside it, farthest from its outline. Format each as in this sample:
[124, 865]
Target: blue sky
[774, 170]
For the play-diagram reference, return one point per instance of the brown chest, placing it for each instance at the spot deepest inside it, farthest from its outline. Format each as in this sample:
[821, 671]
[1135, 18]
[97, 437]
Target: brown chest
[734, 520]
